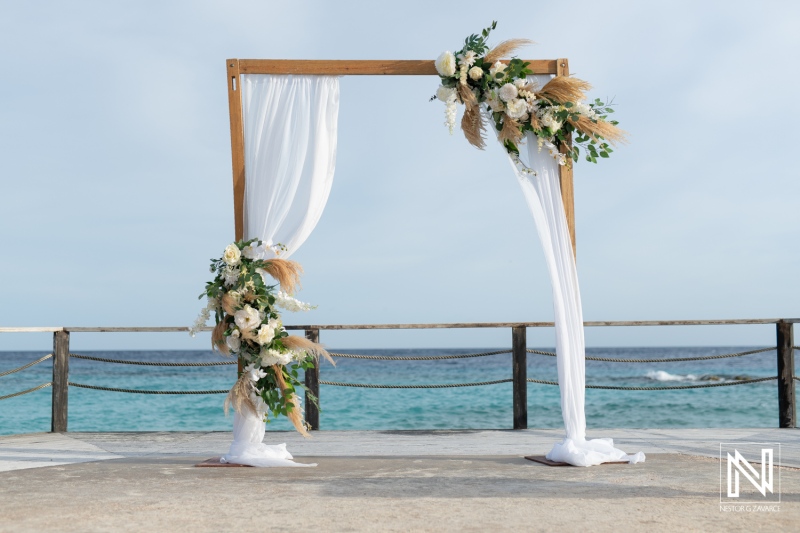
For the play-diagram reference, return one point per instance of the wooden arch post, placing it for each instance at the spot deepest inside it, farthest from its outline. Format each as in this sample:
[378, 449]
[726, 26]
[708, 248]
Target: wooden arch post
[237, 67]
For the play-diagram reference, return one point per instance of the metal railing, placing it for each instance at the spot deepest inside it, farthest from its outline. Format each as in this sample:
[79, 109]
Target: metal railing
[61, 355]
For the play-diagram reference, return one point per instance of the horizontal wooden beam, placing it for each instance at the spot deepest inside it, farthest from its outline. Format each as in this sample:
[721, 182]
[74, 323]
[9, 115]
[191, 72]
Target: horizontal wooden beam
[346, 67]
[456, 325]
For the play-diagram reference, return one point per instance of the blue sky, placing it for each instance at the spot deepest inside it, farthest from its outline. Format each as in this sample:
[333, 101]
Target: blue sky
[115, 164]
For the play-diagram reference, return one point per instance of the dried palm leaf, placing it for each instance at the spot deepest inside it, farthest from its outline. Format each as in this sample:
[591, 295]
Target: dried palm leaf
[505, 49]
[301, 344]
[565, 89]
[510, 131]
[295, 414]
[601, 128]
[228, 303]
[473, 127]
[218, 338]
[286, 272]
[239, 396]
[467, 96]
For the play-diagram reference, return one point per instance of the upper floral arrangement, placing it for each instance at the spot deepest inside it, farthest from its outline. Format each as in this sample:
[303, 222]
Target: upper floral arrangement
[246, 307]
[476, 77]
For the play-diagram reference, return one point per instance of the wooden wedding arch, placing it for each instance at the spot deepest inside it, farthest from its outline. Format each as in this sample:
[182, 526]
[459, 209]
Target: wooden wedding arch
[236, 67]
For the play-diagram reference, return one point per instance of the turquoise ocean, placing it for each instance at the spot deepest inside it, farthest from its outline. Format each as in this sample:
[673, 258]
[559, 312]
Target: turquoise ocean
[486, 407]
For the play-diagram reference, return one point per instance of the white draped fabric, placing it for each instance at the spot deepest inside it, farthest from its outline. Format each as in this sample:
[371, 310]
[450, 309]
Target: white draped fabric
[542, 193]
[290, 132]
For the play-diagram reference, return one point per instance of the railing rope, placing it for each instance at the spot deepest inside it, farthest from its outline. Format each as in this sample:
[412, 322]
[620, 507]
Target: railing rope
[664, 360]
[669, 387]
[23, 367]
[147, 363]
[145, 391]
[20, 393]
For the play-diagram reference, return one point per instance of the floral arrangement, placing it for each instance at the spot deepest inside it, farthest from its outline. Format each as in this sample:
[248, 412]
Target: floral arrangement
[475, 76]
[248, 325]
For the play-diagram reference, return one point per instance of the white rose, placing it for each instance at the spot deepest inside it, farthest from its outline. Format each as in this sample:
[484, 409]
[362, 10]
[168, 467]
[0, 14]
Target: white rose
[247, 318]
[232, 255]
[497, 68]
[446, 64]
[507, 92]
[446, 94]
[265, 334]
[234, 341]
[476, 73]
[516, 108]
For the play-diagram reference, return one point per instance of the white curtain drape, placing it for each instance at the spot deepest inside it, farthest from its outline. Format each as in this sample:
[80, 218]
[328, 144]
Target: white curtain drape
[290, 132]
[542, 193]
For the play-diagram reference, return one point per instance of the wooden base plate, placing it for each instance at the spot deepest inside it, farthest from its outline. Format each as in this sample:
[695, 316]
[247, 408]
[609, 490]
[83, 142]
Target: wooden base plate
[215, 461]
[545, 461]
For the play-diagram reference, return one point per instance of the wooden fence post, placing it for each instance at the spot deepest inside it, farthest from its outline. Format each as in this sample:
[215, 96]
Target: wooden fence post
[312, 382]
[787, 411]
[58, 417]
[519, 356]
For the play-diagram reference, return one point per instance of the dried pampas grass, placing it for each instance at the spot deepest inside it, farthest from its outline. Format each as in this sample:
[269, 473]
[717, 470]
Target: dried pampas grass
[228, 303]
[239, 396]
[218, 339]
[601, 128]
[295, 414]
[510, 131]
[286, 272]
[473, 127]
[505, 49]
[565, 89]
[301, 344]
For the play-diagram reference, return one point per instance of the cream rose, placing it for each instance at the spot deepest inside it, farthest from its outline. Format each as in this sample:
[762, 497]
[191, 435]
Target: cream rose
[232, 255]
[247, 318]
[265, 334]
[476, 73]
[446, 64]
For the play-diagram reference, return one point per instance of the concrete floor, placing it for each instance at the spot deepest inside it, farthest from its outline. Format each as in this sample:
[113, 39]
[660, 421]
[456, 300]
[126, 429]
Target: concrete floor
[381, 481]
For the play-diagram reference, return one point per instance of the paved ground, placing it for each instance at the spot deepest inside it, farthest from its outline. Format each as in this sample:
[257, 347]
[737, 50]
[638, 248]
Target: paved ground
[395, 481]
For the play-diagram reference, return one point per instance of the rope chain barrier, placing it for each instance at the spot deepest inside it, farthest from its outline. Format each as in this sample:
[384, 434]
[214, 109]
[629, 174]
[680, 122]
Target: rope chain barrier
[417, 358]
[134, 391]
[414, 358]
[677, 359]
[7, 372]
[34, 389]
[440, 386]
[147, 363]
[674, 387]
